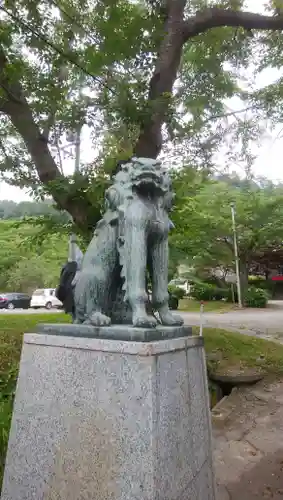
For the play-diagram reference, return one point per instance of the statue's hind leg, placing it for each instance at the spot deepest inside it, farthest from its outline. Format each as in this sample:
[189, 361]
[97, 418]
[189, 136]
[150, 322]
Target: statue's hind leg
[93, 290]
[97, 299]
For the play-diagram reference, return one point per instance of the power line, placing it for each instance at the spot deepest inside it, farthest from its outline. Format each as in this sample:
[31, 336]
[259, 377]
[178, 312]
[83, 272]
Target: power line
[59, 51]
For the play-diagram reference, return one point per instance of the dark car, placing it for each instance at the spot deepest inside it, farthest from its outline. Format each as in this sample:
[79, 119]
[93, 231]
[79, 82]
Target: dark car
[14, 300]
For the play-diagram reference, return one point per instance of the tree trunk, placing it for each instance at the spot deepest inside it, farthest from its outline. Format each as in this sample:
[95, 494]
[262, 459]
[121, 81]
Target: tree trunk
[244, 275]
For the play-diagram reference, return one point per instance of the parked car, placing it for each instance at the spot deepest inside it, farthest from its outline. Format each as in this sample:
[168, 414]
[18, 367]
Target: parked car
[14, 300]
[45, 297]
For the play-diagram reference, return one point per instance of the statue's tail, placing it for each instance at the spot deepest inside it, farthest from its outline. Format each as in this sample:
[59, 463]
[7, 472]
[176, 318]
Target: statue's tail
[121, 252]
[79, 298]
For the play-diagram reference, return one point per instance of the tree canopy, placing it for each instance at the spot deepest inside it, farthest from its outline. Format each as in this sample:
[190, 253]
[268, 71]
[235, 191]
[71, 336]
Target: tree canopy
[26, 263]
[204, 224]
[140, 75]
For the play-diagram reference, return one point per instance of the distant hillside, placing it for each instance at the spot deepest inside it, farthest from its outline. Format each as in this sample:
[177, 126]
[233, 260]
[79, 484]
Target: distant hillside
[12, 210]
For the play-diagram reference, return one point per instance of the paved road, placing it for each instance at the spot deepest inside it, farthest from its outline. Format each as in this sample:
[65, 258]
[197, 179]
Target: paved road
[267, 321]
[30, 311]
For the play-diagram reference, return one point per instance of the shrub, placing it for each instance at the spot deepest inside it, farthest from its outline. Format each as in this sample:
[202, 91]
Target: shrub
[220, 293]
[255, 297]
[267, 285]
[201, 291]
[176, 291]
[208, 292]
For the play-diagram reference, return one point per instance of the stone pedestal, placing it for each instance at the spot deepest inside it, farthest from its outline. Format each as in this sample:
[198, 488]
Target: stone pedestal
[110, 420]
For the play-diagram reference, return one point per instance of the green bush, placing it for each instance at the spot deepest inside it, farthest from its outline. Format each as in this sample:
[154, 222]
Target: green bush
[267, 285]
[176, 291]
[207, 292]
[255, 297]
[220, 294]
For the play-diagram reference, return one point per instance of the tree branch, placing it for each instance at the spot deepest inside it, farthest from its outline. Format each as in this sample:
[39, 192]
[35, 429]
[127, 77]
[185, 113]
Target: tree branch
[215, 17]
[230, 113]
[177, 32]
[161, 84]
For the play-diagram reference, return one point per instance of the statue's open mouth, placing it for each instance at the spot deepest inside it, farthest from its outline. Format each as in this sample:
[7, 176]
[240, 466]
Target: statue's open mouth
[147, 178]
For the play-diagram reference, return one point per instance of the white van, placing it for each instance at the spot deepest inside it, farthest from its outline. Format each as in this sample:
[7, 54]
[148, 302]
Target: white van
[45, 297]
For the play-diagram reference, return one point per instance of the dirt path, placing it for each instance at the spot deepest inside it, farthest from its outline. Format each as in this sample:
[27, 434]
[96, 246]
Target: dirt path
[248, 440]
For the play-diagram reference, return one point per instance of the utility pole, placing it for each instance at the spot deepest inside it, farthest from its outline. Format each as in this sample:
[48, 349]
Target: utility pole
[236, 256]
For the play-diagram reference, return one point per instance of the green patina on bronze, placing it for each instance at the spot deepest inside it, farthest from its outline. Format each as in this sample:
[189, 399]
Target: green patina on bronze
[130, 241]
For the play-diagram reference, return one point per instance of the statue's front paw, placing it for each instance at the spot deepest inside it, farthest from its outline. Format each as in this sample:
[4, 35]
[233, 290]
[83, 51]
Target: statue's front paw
[169, 319]
[98, 319]
[144, 321]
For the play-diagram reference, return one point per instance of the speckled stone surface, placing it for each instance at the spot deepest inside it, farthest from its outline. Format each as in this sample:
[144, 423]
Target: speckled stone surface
[110, 420]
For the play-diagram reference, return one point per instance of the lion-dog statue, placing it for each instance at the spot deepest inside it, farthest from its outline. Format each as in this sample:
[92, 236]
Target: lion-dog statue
[129, 245]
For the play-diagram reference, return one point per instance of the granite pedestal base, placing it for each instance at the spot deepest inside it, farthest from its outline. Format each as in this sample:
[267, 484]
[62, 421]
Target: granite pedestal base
[110, 420]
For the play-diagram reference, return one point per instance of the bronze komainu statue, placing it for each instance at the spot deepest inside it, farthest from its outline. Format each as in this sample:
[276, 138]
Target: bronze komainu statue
[129, 244]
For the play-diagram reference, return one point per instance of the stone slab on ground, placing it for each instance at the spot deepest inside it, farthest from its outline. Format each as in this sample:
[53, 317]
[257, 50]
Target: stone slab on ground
[110, 420]
[248, 443]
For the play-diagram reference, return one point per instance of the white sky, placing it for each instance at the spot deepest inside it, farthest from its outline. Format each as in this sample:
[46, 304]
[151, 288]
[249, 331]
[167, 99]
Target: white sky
[269, 154]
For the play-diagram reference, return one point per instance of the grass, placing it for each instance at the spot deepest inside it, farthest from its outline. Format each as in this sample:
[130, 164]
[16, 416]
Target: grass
[234, 350]
[231, 350]
[190, 305]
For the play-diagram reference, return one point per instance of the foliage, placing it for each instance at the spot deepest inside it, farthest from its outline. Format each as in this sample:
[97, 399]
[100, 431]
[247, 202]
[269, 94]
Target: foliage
[67, 67]
[268, 285]
[204, 226]
[202, 292]
[207, 292]
[255, 297]
[27, 263]
[176, 291]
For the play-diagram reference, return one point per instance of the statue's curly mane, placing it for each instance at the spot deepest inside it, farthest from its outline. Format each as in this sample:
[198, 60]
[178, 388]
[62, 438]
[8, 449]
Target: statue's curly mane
[121, 193]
